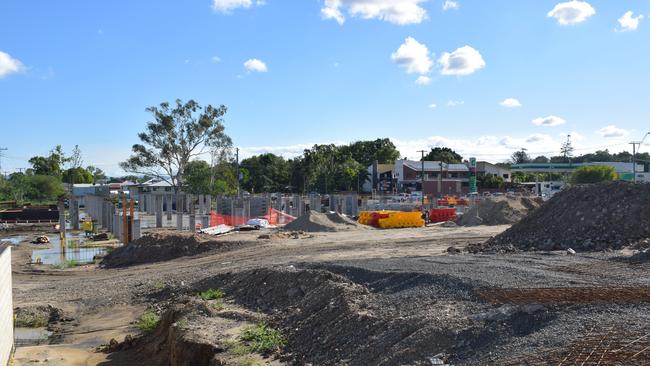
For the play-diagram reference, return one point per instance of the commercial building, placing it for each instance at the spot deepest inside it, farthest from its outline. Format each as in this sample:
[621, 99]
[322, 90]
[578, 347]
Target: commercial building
[483, 168]
[406, 176]
[625, 171]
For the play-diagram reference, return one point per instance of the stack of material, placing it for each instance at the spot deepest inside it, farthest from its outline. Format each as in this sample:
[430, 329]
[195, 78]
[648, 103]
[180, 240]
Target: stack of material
[391, 219]
[586, 218]
[317, 222]
[499, 211]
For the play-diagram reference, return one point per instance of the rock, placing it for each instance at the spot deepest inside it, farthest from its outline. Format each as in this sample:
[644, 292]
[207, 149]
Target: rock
[571, 251]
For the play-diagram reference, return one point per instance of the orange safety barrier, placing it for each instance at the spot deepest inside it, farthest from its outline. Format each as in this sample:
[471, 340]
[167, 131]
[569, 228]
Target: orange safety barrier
[274, 217]
[442, 214]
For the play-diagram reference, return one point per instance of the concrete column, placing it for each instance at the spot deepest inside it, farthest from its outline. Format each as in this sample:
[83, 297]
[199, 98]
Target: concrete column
[208, 204]
[136, 230]
[169, 202]
[74, 212]
[201, 204]
[205, 221]
[179, 213]
[192, 222]
[117, 226]
[158, 199]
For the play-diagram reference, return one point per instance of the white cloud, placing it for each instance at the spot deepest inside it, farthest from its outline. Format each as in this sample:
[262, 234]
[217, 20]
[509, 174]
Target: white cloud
[571, 12]
[449, 4]
[9, 65]
[227, 6]
[538, 137]
[612, 131]
[432, 106]
[256, 65]
[629, 22]
[510, 103]
[394, 11]
[215, 59]
[455, 103]
[464, 61]
[423, 80]
[549, 121]
[413, 56]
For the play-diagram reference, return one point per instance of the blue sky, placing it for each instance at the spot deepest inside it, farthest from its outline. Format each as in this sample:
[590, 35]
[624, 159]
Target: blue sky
[82, 72]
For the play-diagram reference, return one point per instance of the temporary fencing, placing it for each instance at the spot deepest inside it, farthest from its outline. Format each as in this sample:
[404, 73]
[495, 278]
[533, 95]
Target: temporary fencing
[442, 214]
[274, 217]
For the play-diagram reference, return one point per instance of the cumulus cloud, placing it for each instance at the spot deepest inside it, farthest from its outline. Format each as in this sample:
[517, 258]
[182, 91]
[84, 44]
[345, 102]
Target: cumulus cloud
[394, 11]
[464, 61]
[256, 65]
[612, 131]
[432, 106]
[629, 22]
[571, 12]
[449, 4]
[227, 6]
[549, 121]
[9, 65]
[423, 80]
[510, 103]
[215, 59]
[455, 103]
[413, 57]
[538, 137]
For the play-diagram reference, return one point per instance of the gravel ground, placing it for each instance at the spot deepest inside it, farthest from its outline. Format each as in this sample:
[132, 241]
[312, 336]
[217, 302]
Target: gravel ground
[397, 290]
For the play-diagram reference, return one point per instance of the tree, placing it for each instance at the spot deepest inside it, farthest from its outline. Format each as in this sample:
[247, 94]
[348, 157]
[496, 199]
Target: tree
[567, 150]
[178, 134]
[520, 157]
[49, 165]
[490, 181]
[267, 173]
[593, 174]
[199, 178]
[541, 160]
[367, 152]
[98, 174]
[77, 175]
[444, 154]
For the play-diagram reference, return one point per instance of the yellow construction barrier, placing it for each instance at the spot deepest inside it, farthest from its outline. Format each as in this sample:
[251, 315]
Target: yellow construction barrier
[391, 219]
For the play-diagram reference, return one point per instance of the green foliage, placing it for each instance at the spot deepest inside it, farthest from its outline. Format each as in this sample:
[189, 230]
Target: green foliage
[200, 178]
[148, 322]
[70, 263]
[77, 175]
[211, 294]
[178, 133]
[31, 321]
[520, 157]
[267, 173]
[49, 165]
[541, 160]
[444, 154]
[593, 174]
[33, 188]
[261, 338]
[98, 174]
[490, 181]
[249, 363]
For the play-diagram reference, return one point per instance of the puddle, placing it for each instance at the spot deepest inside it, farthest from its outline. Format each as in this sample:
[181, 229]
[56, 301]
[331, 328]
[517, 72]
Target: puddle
[31, 336]
[13, 240]
[56, 256]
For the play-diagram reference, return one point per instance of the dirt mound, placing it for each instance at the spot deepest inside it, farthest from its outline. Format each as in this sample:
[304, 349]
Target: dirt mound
[585, 218]
[317, 222]
[163, 245]
[499, 211]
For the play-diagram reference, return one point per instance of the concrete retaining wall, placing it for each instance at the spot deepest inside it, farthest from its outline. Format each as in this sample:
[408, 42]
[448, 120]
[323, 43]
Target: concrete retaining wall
[6, 307]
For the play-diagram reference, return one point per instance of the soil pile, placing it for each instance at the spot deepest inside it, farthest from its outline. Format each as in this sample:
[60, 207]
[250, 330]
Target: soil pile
[585, 218]
[161, 246]
[499, 211]
[317, 222]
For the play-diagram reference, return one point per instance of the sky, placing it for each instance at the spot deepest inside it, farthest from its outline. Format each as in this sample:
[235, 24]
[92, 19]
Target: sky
[485, 78]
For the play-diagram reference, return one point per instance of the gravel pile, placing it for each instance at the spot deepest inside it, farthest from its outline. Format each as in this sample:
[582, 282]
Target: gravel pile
[161, 246]
[585, 218]
[317, 222]
[499, 211]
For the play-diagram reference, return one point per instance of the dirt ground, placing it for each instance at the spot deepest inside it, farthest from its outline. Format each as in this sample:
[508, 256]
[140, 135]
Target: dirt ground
[371, 297]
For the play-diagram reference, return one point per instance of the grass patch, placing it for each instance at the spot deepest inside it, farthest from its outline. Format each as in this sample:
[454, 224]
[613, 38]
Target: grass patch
[261, 338]
[70, 263]
[217, 305]
[148, 321]
[211, 294]
[31, 321]
[249, 363]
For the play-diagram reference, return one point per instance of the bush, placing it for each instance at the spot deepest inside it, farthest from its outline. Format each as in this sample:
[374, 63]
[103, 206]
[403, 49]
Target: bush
[148, 322]
[262, 339]
[593, 174]
[211, 294]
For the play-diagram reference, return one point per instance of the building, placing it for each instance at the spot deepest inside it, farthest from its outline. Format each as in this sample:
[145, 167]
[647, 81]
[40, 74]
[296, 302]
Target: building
[380, 178]
[439, 178]
[625, 171]
[483, 168]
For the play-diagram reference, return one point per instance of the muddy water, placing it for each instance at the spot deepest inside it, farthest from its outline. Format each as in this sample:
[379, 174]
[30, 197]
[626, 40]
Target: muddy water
[31, 336]
[13, 240]
[57, 255]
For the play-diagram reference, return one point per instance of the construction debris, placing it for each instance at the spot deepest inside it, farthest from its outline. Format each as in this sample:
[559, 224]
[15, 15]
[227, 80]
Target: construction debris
[41, 239]
[499, 210]
[317, 222]
[585, 217]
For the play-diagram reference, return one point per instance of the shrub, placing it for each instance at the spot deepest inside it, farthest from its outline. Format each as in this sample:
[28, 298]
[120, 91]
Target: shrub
[148, 322]
[211, 294]
[593, 174]
[261, 338]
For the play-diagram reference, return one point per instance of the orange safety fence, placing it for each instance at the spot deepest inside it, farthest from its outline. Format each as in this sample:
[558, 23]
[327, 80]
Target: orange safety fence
[274, 217]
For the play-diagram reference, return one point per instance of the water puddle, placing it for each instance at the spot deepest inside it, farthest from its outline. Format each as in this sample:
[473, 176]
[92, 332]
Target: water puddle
[13, 240]
[31, 336]
[70, 257]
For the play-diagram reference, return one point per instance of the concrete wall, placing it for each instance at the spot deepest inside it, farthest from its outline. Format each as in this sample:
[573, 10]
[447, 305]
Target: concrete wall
[6, 307]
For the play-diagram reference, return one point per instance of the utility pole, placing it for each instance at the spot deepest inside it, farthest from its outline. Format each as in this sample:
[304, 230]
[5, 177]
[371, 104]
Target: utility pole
[422, 160]
[634, 151]
[237, 164]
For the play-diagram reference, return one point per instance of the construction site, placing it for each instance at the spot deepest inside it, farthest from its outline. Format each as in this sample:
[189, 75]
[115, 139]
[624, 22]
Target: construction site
[509, 280]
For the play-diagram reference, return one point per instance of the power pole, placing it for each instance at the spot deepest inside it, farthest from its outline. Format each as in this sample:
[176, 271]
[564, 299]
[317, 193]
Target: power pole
[422, 152]
[237, 164]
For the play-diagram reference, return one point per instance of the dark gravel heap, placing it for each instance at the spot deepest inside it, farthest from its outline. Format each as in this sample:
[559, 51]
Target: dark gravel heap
[590, 217]
[161, 246]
